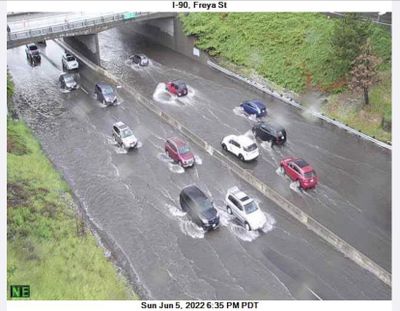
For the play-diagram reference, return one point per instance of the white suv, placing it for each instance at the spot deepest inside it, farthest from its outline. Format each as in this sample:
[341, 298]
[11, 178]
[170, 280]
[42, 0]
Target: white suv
[245, 209]
[69, 62]
[241, 146]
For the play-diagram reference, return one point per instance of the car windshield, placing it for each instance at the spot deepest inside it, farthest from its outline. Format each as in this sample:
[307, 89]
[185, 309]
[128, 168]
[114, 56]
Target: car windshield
[205, 205]
[70, 58]
[310, 174]
[108, 90]
[126, 133]
[184, 149]
[250, 207]
[33, 48]
[252, 147]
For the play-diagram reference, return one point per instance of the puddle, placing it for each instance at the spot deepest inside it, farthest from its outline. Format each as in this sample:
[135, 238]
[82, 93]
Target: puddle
[161, 95]
[191, 229]
[175, 211]
[176, 168]
[280, 171]
[163, 157]
[198, 160]
[187, 227]
[295, 187]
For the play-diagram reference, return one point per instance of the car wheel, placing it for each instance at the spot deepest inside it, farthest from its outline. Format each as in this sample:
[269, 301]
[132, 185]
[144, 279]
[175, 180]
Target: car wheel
[229, 210]
[247, 226]
[180, 163]
[224, 147]
[282, 170]
[241, 157]
[297, 183]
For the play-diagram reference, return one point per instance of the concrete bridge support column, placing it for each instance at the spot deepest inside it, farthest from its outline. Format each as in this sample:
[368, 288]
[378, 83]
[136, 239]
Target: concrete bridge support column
[88, 45]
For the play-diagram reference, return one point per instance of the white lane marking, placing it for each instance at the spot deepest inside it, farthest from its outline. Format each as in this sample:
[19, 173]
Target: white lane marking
[84, 90]
[314, 293]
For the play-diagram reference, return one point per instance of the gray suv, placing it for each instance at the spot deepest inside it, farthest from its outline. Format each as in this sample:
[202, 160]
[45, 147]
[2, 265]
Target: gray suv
[105, 94]
[124, 136]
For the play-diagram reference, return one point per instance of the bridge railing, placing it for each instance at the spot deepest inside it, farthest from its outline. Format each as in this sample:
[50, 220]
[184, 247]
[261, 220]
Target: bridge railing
[72, 25]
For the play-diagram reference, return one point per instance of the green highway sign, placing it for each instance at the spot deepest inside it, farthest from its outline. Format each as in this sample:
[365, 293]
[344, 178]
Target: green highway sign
[129, 15]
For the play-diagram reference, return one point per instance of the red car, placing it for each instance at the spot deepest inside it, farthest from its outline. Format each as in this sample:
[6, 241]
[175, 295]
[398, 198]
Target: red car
[177, 87]
[179, 151]
[299, 170]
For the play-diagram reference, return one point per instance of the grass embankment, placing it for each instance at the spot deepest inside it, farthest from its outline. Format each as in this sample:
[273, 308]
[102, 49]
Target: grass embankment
[48, 246]
[293, 51]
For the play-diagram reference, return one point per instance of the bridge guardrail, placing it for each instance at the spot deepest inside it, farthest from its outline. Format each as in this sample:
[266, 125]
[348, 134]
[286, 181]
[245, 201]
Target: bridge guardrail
[68, 26]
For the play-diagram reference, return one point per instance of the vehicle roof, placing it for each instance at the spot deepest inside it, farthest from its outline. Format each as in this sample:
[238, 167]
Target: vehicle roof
[304, 165]
[121, 125]
[194, 192]
[103, 85]
[177, 141]
[179, 82]
[240, 195]
[244, 140]
[257, 102]
[274, 125]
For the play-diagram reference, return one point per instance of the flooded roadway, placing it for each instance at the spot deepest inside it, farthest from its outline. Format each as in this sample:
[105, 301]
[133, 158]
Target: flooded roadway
[353, 198]
[133, 198]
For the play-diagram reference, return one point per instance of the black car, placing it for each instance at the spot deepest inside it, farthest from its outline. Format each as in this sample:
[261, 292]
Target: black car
[199, 207]
[32, 53]
[139, 59]
[270, 132]
[69, 81]
[105, 93]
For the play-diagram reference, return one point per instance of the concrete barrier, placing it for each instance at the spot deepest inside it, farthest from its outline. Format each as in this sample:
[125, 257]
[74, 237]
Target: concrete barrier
[323, 232]
[292, 102]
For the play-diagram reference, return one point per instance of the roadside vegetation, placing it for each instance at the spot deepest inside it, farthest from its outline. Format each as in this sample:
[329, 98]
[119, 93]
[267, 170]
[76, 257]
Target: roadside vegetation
[48, 245]
[303, 52]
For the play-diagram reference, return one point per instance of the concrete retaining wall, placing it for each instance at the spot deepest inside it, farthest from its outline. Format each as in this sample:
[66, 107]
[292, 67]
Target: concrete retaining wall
[268, 192]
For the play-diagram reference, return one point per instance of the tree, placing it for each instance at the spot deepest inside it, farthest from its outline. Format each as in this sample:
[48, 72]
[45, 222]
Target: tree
[349, 34]
[364, 71]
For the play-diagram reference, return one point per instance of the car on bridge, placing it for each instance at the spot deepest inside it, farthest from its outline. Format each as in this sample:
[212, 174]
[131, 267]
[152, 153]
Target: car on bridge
[32, 54]
[245, 209]
[241, 146]
[69, 62]
[271, 132]
[254, 107]
[199, 207]
[139, 59]
[300, 172]
[105, 94]
[69, 81]
[177, 87]
[124, 136]
[179, 151]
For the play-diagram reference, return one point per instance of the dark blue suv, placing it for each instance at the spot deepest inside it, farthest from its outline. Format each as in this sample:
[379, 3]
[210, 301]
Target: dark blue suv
[254, 106]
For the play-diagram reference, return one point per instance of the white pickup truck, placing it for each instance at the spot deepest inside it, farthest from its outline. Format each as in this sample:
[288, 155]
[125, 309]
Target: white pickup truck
[245, 209]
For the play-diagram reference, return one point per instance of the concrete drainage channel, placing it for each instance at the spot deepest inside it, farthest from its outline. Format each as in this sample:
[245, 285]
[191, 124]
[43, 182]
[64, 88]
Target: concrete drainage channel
[338, 243]
[292, 102]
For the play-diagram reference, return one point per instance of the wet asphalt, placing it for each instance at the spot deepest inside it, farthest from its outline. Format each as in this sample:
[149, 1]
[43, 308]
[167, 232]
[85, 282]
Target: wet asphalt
[353, 198]
[133, 197]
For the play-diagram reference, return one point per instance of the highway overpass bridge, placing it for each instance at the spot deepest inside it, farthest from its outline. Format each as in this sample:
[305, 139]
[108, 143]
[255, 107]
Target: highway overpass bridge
[79, 29]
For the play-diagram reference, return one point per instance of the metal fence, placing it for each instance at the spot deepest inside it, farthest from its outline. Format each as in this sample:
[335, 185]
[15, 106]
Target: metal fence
[73, 25]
